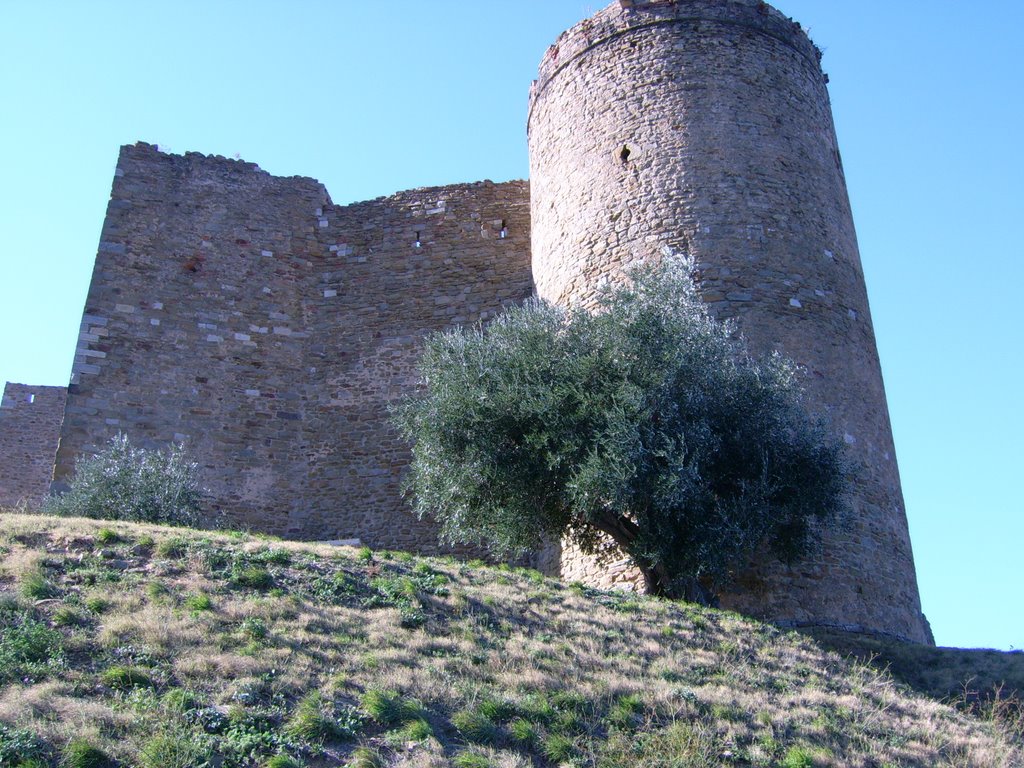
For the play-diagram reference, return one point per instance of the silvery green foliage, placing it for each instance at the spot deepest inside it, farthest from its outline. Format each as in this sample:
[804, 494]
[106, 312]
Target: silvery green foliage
[646, 421]
[127, 483]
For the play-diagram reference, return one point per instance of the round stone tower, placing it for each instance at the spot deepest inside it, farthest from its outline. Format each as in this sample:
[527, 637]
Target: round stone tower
[704, 127]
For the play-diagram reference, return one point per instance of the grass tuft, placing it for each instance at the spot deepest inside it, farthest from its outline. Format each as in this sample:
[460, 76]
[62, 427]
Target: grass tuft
[123, 678]
[79, 753]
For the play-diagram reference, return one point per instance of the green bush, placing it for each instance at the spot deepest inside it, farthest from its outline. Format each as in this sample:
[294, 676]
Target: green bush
[646, 422]
[126, 483]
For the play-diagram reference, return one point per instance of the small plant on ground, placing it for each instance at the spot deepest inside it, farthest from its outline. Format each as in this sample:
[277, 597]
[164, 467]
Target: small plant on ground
[417, 730]
[27, 646]
[472, 760]
[798, 757]
[174, 749]
[253, 577]
[122, 678]
[36, 586]
[79, 753]
[282, 761]
[18, 746]
[365, 757]
[107, 536]
[390, 708]
[199, 602]
[475, 726]
[315, 719]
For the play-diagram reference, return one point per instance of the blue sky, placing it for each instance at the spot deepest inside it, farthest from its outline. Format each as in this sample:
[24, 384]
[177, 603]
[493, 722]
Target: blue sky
[372, 98]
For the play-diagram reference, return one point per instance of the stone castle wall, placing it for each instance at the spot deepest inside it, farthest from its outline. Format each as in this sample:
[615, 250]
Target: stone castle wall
[30, 420]
[705, 128]
[268, 329]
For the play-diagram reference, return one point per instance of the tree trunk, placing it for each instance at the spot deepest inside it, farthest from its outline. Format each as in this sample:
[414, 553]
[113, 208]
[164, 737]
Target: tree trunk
[657, 580]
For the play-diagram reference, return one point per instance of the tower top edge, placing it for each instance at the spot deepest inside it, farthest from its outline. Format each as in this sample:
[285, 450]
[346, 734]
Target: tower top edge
[623, 17]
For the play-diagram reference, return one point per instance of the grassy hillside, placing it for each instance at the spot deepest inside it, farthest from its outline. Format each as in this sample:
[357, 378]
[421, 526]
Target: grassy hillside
[137, 645]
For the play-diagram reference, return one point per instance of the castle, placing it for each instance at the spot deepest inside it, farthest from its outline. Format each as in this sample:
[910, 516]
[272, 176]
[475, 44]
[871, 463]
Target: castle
[269, 329]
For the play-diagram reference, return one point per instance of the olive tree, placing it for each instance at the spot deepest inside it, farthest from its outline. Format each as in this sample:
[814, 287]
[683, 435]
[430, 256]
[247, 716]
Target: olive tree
[645, 421]
[123, 482]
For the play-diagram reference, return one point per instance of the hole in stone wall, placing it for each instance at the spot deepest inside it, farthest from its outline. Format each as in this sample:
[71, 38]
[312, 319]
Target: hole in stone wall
[417, 243]
[504, 230]
[31, 398]
[624, 153]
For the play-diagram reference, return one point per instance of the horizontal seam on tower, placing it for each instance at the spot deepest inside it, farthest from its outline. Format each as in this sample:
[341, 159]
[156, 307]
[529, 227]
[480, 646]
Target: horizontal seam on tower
[658, 23]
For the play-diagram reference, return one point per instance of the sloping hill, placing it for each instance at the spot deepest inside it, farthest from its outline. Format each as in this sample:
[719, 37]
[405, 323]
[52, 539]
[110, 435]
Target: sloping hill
[148, 646]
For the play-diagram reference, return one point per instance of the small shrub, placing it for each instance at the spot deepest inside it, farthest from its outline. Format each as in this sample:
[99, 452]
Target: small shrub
[364, 554]
[79, 753]
[67, 616]
[122, 678]
[145, 541]
[475, 726]
[126, 483]
[680, 744]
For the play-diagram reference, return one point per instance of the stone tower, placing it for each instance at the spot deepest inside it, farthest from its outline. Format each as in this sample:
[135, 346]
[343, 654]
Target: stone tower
[704, 127]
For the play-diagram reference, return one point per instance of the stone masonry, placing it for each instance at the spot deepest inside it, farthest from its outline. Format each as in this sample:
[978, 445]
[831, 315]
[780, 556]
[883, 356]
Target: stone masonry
[704, 128]
[269, 330]
[30, 420]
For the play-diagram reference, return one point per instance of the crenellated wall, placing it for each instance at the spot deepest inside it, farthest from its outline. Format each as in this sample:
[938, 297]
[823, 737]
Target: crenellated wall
[30, 419]
[248, 317]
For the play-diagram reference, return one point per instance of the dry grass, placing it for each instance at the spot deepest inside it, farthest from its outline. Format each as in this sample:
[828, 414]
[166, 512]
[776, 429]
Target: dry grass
[505, 668]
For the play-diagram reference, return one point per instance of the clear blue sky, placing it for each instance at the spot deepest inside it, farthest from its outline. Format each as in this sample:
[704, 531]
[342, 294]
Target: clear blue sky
[375, 97]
